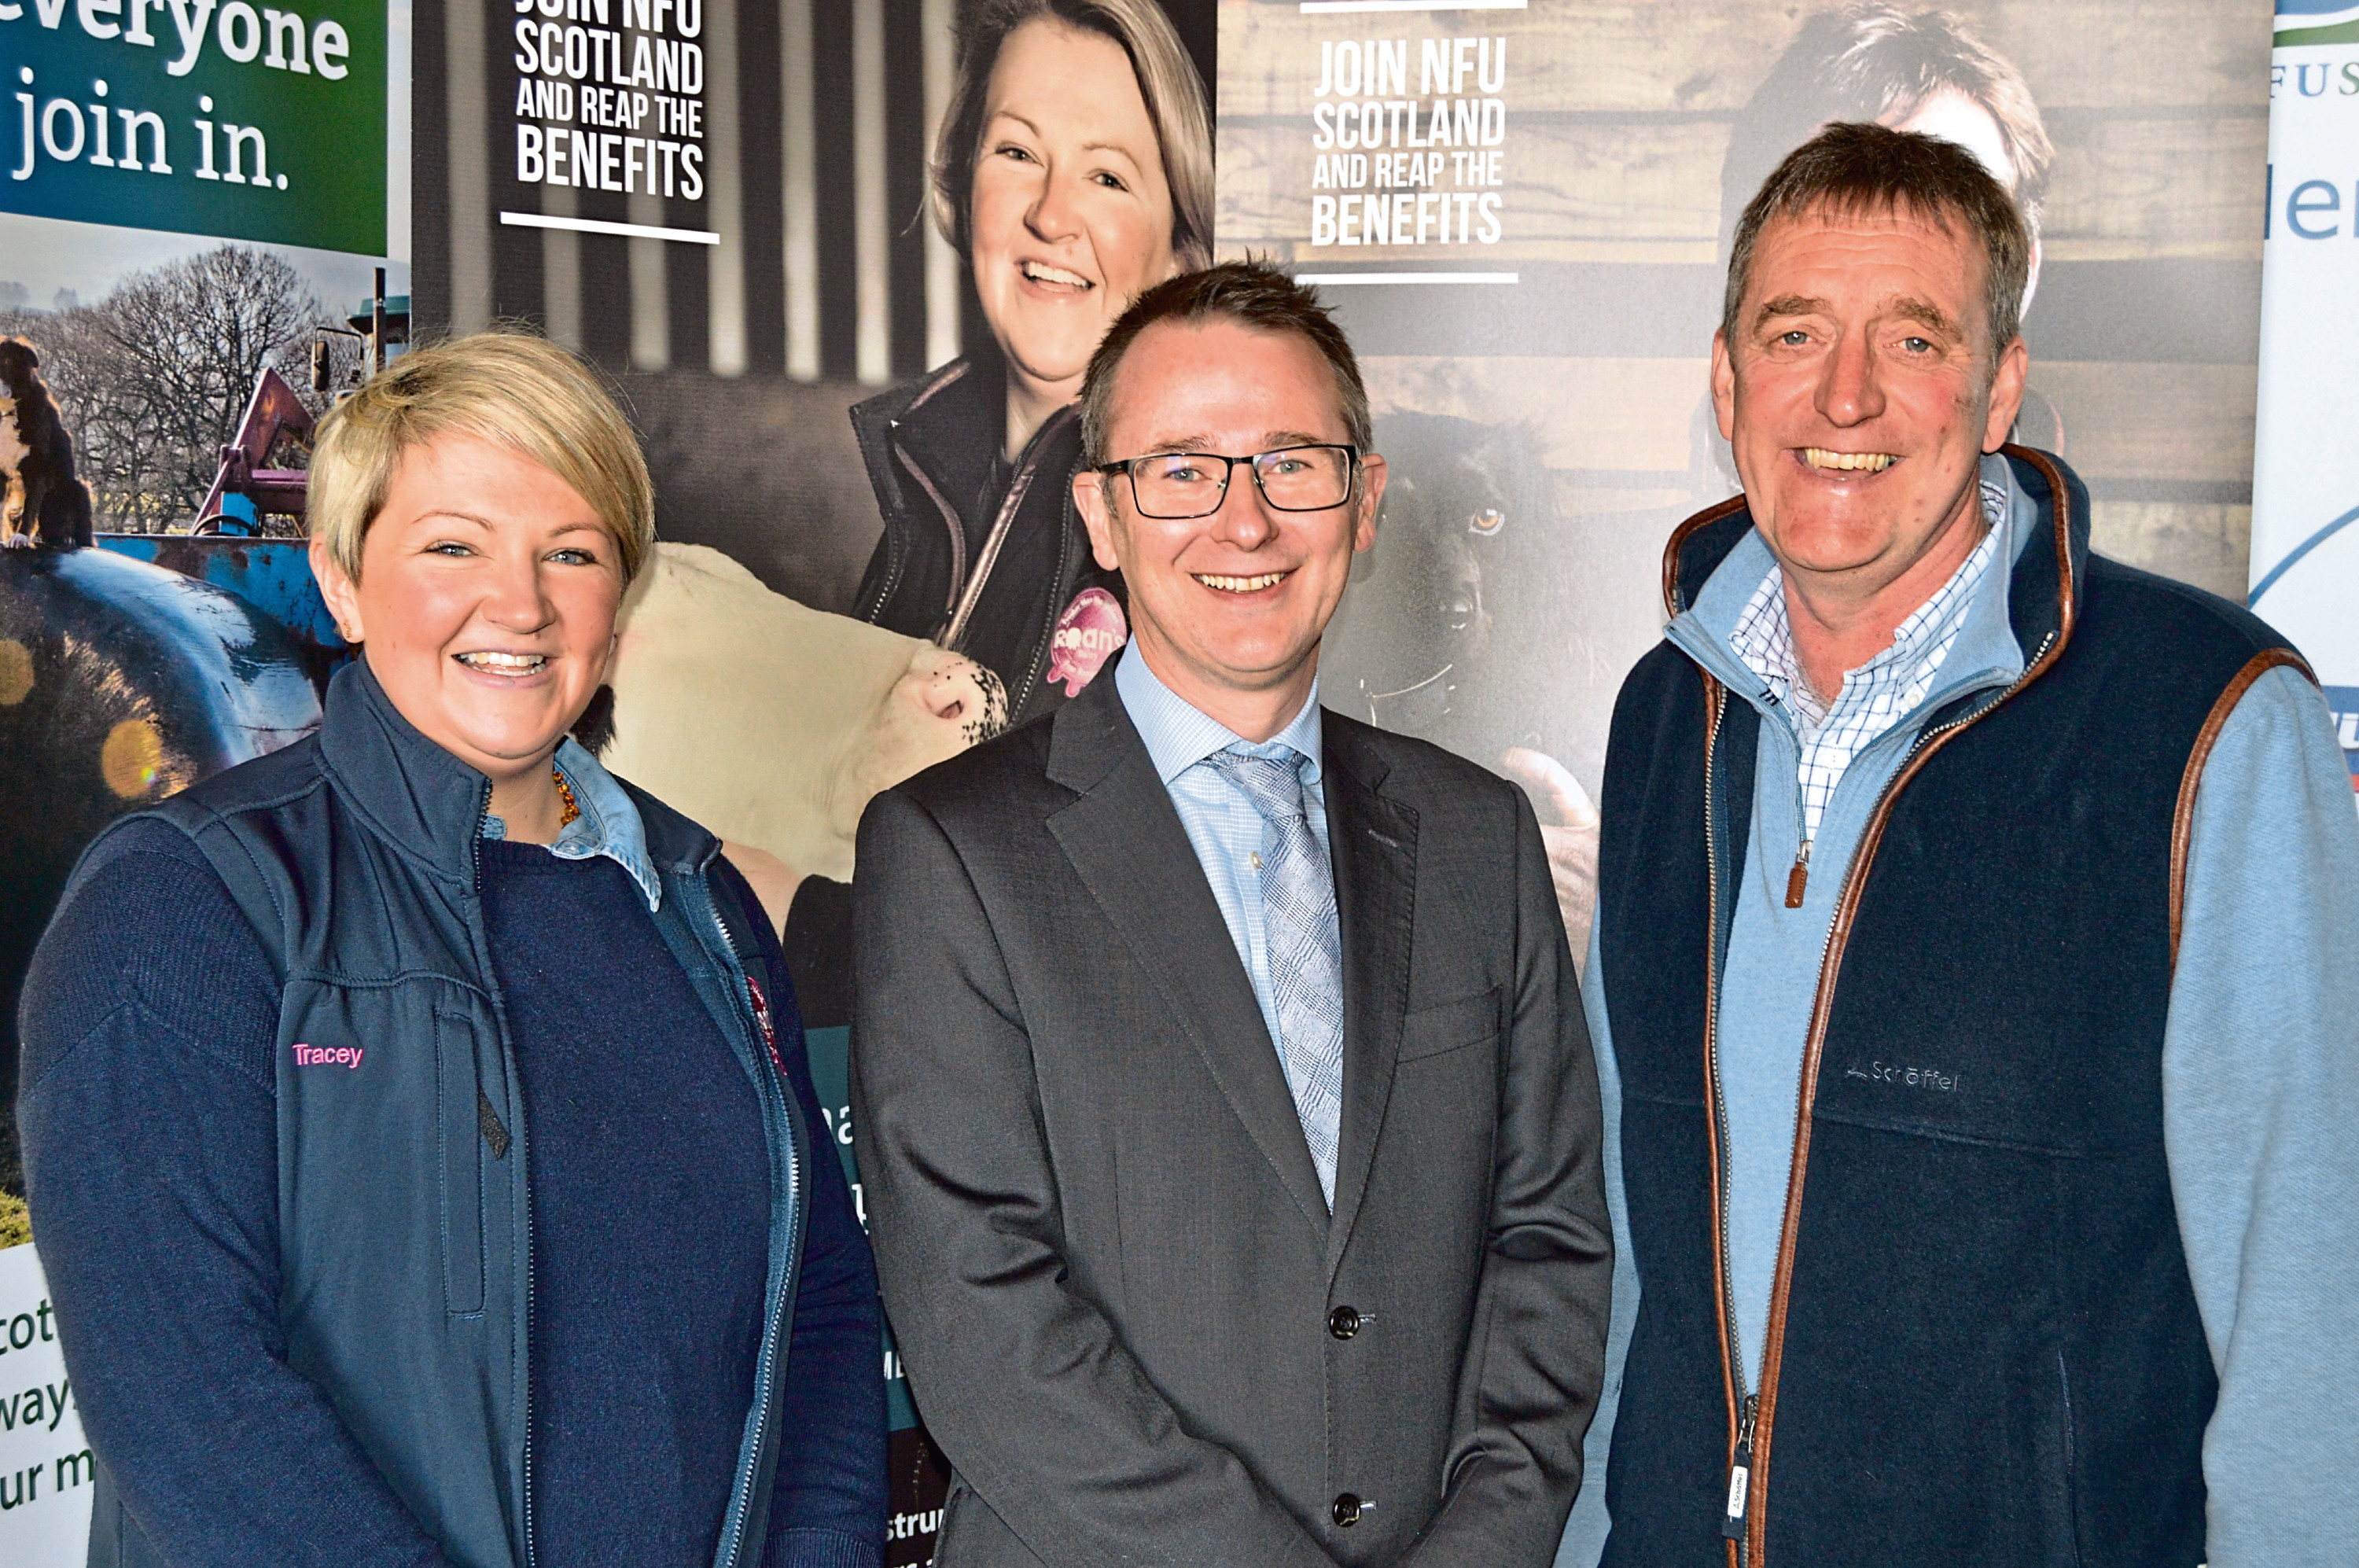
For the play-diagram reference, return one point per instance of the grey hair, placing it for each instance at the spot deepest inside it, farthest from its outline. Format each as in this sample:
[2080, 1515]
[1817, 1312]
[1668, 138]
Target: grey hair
[1862, 168]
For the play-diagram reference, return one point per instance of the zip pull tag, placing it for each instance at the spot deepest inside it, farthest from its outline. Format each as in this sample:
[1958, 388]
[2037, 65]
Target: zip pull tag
[1799, 879]
[762, 1016]
[1740, 1475]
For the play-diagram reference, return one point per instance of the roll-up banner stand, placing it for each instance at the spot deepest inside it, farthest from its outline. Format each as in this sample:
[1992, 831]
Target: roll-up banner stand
[204, 217]
[1521, 210]
[2305, 573]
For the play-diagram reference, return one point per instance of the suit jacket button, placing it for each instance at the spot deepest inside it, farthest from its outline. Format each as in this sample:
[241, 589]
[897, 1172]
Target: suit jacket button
[1343, 1322]
[1347, 1509]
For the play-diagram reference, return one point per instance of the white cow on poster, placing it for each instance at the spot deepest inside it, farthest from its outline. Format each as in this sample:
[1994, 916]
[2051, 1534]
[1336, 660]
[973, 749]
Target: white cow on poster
[773, 724]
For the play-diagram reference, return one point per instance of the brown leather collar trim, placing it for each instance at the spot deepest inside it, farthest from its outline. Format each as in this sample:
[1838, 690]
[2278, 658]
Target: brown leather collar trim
[2067, 588]
[1773, 1352]
[2182, 822]
[949, 518]
[951, 373]
[1680, 537]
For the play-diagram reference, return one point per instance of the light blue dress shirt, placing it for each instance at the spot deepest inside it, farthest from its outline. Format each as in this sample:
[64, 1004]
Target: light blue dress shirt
[1220, 822]
[609, 825]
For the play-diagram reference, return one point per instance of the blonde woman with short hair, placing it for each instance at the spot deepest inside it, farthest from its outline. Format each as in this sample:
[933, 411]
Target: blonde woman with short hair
[416, 1119]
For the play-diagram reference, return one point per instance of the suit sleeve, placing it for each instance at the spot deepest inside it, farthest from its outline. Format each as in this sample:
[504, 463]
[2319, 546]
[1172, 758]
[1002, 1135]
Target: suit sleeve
[1021, 1378]
[2259, 1073]
[1585, 1532]
[1536, 1359]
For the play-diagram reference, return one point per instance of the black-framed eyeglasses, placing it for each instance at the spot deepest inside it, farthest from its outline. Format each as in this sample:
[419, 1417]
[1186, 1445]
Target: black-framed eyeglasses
[1176, 484]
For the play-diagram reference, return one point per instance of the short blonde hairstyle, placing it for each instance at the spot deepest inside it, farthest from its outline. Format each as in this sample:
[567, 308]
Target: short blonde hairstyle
[1168, 81]
[512, 389]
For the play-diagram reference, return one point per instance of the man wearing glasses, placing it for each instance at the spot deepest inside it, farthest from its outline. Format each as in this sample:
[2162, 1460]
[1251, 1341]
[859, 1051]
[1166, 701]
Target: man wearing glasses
[1225, 1114]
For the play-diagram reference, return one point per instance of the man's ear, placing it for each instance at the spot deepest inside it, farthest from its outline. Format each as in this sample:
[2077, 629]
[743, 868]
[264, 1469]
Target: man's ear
[343, 600]
[1089, 495]
[1372, 492]
[2005, 394]
[1724, 387]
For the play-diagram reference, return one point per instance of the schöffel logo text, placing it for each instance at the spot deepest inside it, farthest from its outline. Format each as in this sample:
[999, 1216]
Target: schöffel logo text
[328, 1056]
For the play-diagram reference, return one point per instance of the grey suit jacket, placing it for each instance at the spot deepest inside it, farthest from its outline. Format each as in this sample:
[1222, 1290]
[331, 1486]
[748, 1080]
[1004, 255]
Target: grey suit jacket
[1119, 1295]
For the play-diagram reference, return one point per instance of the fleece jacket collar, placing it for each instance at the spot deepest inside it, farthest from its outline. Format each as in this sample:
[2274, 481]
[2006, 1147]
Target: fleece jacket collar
[1717, 559]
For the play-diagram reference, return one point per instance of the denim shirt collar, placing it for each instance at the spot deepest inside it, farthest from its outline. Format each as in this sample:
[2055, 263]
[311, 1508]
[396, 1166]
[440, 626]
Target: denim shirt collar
[1986, 653]
[608, 823]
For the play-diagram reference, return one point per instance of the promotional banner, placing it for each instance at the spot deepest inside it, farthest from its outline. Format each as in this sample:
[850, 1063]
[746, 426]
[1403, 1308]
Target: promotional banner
[193, 194]
[2305, 579]
[204, 209]
[45, 1465]
[729, 206]
[1522, 213]
[237, 123]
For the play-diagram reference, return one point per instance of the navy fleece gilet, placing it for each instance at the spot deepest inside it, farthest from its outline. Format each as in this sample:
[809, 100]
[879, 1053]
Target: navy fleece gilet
[1990, 1349]
[615, 1285]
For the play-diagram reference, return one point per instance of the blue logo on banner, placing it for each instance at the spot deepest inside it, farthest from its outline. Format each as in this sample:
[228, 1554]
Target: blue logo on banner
[2291, 557]
[2316, 22]
[2345, 700]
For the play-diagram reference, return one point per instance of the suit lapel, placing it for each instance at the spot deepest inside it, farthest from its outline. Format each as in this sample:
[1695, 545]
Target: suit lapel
[1124, 838]
[1373, 841]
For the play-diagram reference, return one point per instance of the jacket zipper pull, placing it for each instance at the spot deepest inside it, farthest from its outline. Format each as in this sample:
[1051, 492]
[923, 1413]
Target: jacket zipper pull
[1740, 1474]
[1798, 880]
[762, 1016]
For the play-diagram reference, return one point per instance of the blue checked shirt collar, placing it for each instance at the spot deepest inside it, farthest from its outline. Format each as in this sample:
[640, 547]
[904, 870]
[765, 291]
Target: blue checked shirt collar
[609, 825]
[1885, 690]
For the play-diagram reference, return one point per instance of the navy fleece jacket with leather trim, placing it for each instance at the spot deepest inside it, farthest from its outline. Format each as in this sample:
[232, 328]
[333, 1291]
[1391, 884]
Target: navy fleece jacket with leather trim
[2258, 1071]
[150, 1130]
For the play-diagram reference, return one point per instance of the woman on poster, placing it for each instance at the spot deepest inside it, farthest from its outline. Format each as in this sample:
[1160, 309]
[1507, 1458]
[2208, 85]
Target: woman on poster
[417, 1125]
[1073, 169]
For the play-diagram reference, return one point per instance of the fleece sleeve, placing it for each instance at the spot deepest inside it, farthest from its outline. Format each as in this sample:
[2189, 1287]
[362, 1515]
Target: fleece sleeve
[2260, 1071]
[828, 1501]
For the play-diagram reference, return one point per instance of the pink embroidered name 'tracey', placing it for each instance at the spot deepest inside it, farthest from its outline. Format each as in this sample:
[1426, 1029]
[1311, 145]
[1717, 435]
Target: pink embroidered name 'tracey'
[328, 1056]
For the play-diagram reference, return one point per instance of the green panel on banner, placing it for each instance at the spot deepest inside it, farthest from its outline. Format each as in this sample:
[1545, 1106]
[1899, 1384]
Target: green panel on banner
[237, 120]
[830, 1050]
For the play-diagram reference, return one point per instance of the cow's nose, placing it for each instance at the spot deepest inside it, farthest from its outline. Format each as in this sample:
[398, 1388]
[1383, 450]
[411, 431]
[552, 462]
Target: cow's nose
[952, 687]
[945, 695]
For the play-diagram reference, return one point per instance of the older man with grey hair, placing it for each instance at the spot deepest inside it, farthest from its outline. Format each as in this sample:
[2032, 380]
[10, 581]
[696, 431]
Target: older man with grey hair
[1972, 980]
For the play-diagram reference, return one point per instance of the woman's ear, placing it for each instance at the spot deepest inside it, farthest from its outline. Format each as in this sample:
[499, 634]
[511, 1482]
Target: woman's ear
[342, 599]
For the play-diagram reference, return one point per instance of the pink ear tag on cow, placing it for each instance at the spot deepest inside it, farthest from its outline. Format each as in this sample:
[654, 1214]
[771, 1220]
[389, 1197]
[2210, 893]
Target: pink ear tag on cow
[1087, 635]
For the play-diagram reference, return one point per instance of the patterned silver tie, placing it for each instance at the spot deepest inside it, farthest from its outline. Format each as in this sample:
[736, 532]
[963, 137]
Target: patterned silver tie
[1300, 948]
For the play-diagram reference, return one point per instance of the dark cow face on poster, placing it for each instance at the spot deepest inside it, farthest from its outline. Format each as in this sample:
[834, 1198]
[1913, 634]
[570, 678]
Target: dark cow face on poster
[1407, 650]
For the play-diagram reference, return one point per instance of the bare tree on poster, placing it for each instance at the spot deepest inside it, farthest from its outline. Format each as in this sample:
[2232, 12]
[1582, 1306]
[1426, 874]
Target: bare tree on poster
[154, 377]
